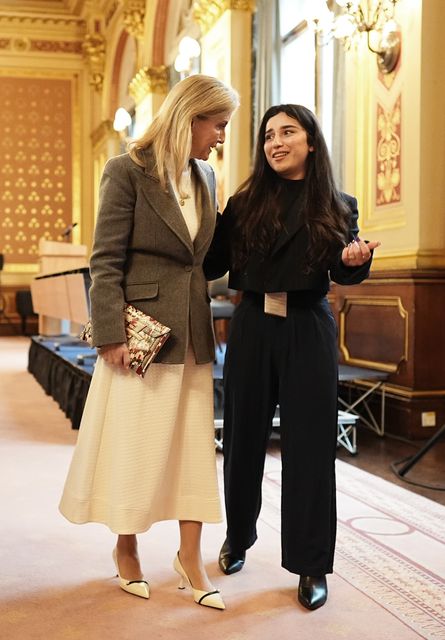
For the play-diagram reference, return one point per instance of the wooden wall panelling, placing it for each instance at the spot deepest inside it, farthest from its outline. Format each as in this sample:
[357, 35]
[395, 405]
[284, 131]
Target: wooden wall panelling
[393, 322]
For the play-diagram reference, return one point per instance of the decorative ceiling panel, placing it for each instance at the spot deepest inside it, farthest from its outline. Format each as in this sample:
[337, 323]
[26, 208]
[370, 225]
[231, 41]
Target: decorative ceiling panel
[61, 7]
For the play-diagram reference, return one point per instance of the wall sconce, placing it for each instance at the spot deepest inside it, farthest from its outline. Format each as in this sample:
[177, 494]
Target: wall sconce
[122, 120]
[187, 60]
[373, 17]
[122, 124]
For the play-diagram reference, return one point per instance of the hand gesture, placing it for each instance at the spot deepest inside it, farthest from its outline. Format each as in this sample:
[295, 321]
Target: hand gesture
[357, 252]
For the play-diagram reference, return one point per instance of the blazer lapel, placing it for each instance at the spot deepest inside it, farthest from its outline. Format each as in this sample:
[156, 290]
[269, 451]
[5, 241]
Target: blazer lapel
[164, 203]
[206, 208]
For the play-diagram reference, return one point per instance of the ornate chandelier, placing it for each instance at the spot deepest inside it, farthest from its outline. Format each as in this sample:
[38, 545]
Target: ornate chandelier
[351, 18]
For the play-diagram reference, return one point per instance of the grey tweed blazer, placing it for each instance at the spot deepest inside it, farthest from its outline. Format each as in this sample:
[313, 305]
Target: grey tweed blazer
[143, 254]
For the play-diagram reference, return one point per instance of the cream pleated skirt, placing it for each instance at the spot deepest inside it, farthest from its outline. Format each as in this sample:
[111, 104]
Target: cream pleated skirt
[145, 450]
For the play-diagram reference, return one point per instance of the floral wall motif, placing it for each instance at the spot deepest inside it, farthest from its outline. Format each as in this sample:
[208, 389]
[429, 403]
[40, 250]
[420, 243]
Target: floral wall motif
[388, 169]
[35, 164]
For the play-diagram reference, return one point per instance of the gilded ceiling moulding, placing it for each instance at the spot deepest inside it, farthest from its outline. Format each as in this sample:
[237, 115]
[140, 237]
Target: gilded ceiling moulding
[149, 80]
[46, 27]
[25, 45]
[207, 12]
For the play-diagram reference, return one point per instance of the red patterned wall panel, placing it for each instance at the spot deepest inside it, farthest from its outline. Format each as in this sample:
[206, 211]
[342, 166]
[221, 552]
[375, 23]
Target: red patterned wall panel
[35, 164]
[388, 159]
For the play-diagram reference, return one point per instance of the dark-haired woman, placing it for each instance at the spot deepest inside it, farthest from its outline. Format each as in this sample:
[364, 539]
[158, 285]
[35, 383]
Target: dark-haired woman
[284, 235]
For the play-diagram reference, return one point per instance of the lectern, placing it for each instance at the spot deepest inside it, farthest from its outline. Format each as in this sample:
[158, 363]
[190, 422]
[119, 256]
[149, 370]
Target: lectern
[60, 291]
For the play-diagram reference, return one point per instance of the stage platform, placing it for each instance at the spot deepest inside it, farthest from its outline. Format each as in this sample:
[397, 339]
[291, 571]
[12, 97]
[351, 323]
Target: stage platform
[63, 365]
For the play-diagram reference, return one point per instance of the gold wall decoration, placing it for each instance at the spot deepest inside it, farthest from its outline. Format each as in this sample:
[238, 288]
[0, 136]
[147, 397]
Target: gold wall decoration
[207, 12]
[56, 46]
[93, 48]
[149, 80]
[384, 322]
[388, 158]
[35, 164]
[23, 45]
[20, 45]
[133, 17]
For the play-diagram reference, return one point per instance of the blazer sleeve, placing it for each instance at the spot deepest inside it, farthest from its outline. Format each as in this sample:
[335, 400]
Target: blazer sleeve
[217, 261]
[339, 272]
[117, 197]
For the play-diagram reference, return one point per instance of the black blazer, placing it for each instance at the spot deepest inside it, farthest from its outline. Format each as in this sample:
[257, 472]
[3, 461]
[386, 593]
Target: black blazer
[284, 268]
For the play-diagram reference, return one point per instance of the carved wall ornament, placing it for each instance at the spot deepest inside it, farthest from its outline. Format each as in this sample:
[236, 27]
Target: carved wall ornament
[134, 17]
[21, 44]
[388, 154]
[102, 132]
[149, 80]
[207, 12]
[93, 48]
[56, 46]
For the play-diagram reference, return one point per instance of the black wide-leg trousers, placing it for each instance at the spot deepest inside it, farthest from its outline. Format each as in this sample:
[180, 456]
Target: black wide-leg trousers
[292, 362]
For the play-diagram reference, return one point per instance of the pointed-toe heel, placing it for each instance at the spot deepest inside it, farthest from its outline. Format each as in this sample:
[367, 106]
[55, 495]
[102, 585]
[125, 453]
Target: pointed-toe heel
[135, 587]
[205, 598]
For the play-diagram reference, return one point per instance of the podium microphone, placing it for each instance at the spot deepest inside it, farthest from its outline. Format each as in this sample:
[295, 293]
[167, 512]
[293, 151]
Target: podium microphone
[68, 230]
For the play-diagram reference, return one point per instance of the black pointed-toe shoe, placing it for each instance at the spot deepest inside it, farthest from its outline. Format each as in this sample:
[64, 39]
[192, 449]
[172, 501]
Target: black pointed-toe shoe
[312, 591]
[229, 561]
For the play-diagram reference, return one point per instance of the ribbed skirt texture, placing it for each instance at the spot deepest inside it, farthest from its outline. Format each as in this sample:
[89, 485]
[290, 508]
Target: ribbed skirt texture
[145, 450]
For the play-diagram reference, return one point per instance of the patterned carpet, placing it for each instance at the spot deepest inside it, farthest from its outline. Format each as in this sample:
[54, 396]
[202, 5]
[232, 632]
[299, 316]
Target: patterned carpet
[390, 545]
[58, 579]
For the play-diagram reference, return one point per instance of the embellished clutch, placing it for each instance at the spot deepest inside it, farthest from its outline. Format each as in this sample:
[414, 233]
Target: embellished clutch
[145, 337]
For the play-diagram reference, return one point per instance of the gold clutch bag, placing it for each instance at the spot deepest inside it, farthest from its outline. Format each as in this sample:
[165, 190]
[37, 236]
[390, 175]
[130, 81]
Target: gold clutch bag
[145, 337]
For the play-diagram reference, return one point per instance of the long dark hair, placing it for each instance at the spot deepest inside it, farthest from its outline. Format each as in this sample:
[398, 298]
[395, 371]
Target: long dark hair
[258, 199]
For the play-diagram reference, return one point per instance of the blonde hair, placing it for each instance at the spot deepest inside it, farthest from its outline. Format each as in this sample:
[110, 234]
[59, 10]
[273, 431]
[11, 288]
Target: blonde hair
[170, 133]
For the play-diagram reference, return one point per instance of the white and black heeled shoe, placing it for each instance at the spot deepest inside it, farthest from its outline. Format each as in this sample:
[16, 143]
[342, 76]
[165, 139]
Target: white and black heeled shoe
[135, 587]
[205, 598]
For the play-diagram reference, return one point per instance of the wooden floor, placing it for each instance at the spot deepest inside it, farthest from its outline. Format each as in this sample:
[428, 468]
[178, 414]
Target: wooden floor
[375, 454]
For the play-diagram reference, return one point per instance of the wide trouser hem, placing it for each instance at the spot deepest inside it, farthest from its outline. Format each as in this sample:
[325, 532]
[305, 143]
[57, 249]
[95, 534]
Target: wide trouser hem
[307, 571]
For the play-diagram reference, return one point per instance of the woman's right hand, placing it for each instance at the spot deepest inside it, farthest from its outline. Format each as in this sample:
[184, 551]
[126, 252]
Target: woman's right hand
[116, 355]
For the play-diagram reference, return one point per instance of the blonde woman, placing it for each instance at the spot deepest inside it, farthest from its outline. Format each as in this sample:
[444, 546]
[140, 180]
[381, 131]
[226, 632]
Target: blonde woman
[145, 451]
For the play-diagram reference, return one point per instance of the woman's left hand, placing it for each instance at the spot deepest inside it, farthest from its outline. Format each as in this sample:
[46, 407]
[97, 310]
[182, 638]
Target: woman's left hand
[357, 252]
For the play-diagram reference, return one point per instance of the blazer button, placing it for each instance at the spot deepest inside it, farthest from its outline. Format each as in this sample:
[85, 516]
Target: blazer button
[188, 267]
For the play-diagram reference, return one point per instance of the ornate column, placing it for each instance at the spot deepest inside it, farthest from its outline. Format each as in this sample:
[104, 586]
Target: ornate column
[106, 143]
[93, 48]
[226, 26]
[148, 89]
[133, 16]
[208, 12]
